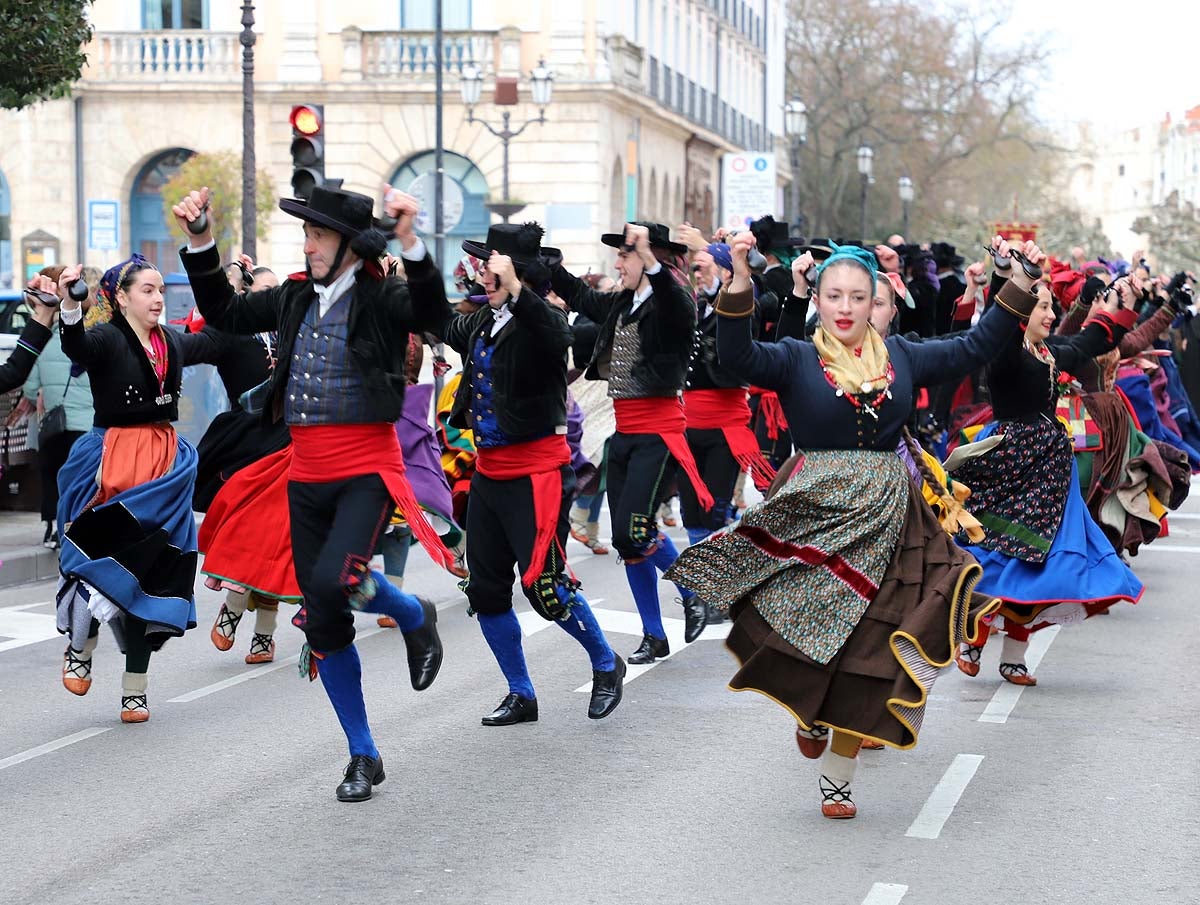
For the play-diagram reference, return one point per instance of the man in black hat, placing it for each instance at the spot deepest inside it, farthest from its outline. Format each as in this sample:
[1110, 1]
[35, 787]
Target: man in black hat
[513, 396]
[953, 284]
[342, 329]
[643, 350]
[779, 249]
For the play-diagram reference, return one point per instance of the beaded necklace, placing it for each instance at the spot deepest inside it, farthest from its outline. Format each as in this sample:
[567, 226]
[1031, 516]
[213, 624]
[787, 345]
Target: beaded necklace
[860, 400]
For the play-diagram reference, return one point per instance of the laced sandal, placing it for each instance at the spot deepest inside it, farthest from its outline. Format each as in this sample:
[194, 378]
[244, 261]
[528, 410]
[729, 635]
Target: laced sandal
[76, 673]
[869, 745]
[225, 628]
[1017, 674]
[387, 622]
[134, 708]
[262, 649]
[835, 799]
[967, 660]
[812, 742]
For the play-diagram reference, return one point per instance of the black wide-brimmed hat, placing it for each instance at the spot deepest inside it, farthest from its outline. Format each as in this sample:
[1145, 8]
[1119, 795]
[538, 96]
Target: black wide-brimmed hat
[770, 233]
[520, 241]
[946, 255]
[819, 248]
[348, 213]
[660, 237]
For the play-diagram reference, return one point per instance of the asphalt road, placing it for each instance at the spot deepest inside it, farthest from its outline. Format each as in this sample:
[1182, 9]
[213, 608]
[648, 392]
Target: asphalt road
[1082, 789]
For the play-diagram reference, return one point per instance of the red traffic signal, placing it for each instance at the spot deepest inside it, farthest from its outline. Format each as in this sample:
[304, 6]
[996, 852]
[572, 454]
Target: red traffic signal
[308, 148]
[307, 120]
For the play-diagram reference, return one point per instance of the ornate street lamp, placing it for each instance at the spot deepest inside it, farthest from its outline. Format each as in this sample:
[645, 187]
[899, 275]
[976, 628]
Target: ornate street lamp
[866, 163]
[795, 126]
[906, 197]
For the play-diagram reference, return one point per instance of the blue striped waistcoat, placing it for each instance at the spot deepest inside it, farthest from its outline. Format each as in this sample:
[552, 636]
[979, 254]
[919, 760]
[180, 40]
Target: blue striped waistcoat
[324, 386]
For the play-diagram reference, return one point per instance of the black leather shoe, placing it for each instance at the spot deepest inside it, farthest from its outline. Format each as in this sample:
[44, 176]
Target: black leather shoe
[695, 617]
[424, 649]
[715, 616]
[649, 650]
[512, 710]
[362, 773]
[606, 690]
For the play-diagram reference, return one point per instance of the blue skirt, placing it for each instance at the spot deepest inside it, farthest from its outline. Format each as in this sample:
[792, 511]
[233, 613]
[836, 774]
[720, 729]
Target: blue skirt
[1080, 568]
[137, 549]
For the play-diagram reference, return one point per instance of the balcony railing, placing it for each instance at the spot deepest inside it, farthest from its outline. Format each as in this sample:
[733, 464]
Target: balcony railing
[172, 56]
[384, 54]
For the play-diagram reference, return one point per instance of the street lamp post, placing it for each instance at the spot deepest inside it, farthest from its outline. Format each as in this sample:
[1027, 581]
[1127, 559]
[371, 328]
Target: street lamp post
[866, 159]
[249, 189]
[795, 125]
[542, 87]
[906, 197]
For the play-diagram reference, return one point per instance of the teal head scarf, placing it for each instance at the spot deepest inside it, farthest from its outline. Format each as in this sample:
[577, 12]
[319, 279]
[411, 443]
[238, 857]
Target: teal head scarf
[850, 254]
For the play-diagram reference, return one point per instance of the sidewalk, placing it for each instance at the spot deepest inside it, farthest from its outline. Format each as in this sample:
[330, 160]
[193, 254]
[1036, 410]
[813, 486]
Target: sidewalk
[22, 555]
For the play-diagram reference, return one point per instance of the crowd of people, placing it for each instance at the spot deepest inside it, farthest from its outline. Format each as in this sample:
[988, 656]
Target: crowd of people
[942, 453]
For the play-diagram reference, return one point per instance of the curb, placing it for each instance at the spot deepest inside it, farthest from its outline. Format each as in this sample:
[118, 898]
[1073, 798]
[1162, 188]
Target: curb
[27, 565]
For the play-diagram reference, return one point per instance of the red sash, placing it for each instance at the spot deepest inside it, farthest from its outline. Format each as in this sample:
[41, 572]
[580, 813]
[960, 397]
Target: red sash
[541, 461]
[727, 411]
[771, 411]
[665, 418]
[335, 452]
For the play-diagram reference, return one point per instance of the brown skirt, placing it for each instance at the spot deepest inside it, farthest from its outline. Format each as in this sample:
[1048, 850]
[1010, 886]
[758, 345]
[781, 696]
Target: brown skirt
[877, 685]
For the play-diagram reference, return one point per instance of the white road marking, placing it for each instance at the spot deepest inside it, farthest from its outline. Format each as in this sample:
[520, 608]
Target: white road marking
[25, 628]
[51, 746]
[532, 623]
[1166, 548]
[885, 894]
[945, 795]
[1188, 516]
[1000, 707]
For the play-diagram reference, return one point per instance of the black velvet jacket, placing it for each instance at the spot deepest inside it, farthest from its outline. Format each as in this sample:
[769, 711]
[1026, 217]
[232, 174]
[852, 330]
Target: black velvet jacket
[666, 325]
[125, 389]
[384, 313]
[529, 368]
[14, 372]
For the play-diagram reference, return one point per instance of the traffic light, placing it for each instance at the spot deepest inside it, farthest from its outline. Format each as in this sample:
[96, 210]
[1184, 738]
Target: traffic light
[308, 148]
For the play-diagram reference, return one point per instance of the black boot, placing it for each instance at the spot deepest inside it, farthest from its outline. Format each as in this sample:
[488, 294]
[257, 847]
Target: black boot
[649, 650]
[715, 616]
[695, 617]
[362, 773]
[512, 710]
[424, 649]
[606, 690]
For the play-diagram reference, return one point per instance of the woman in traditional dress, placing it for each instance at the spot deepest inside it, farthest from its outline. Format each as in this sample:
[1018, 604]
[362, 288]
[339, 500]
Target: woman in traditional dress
[846, 593]
[1042, 553]
[128, 536]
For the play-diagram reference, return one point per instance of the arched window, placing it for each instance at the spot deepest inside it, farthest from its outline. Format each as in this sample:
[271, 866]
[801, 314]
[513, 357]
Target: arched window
[6, 262]
[149, 235]
[465, 215]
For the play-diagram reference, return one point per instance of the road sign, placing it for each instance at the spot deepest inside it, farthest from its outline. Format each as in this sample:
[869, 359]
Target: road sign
[104, 225]
[748, 189]
[452, 202]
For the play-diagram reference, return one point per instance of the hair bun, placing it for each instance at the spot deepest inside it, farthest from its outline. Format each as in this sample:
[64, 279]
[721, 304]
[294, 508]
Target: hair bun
[370, 244]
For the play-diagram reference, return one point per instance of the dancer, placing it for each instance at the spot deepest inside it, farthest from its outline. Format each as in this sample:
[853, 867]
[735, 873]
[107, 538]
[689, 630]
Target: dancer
[127, 533]
[343, 335]
[847, 595]
[643, 349]
[1042, 553]
[513, 395]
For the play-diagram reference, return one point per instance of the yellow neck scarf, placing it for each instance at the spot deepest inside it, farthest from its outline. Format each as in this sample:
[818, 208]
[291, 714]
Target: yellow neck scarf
[855, 374]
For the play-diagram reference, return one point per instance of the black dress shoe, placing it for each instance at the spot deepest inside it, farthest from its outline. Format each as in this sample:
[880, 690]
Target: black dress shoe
[606, 690]
[715, 616]
[362, 773]
[695, 617]
[424, 649]
[512, 710]
[649, 650]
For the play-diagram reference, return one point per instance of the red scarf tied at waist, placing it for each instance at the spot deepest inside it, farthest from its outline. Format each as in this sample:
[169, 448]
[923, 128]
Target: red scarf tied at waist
[664, 417]
[541, 461]
[727, 411]
[336, 452]
[770, 409]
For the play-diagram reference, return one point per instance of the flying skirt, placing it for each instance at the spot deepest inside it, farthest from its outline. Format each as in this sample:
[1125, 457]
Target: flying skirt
[848, 597]
[128, 544]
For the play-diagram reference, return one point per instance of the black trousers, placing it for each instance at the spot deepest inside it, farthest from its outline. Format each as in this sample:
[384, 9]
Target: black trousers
[51, 457]
[335, 528]
[719, 469]
[640, 469]
[500, 535]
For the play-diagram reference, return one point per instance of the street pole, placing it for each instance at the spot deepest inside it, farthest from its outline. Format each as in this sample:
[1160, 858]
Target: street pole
[249, 165]
[904, 221]
[795, 187]
[862, 220]
[438, 166]
[505, 138]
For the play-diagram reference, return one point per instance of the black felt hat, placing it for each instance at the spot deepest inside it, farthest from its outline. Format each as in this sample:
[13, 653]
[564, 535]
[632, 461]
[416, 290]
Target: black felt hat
[520, 241]
[348, 213]
[660, 237]
[945, 255]
[820, 248]
[770, 233]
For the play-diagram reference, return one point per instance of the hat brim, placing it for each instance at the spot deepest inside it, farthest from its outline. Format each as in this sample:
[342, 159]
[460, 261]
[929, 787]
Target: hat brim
[549, 256]
[298, 207]
[617, 240]
[819, 252]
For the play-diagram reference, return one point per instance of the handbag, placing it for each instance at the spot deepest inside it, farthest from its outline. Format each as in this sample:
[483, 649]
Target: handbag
[54, 422]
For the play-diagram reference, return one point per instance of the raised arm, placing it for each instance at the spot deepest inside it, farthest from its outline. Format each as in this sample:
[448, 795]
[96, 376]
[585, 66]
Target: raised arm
[207, 347]
[29, 346]
[793, 313]
[532, 312]
[581, 297]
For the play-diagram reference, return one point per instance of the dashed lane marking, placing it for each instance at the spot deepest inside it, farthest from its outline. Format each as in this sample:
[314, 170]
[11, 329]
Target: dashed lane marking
[20, 628]
[945, 795]
[51, 746]
[885, 894]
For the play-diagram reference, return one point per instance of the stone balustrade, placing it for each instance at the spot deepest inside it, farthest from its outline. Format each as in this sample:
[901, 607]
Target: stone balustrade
[372, 55]
[174, 55]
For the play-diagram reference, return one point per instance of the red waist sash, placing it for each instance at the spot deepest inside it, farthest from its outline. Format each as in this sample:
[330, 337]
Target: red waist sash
[336, 452]
[727, 411]
[665, 418]
[770, 409]
[541, 461]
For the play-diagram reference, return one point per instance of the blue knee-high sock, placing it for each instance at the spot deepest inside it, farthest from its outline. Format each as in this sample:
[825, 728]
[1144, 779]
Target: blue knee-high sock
[664, 557]
[583, 627]
[695, 535]
[389, 600]
[503, 635]
[341, 674]
[643, 581]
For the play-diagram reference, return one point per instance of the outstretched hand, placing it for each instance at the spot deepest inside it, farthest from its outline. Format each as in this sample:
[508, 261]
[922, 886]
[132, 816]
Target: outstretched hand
[188, 210]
